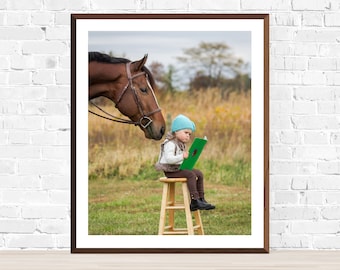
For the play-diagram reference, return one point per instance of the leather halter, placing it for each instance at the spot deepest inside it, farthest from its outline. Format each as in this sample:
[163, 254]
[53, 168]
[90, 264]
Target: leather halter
[145, 120]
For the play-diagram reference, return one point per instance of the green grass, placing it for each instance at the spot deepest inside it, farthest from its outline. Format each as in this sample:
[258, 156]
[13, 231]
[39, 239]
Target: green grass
[131, 206]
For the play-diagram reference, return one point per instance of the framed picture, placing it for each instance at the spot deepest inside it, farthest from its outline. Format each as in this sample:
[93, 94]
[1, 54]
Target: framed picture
[132, 74]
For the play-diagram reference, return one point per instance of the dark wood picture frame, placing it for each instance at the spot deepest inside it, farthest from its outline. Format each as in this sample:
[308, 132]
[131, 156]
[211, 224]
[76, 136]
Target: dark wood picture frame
[80, 242]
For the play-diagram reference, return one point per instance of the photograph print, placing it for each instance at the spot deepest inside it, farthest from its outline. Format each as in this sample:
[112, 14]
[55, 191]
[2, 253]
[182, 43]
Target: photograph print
[155, 85]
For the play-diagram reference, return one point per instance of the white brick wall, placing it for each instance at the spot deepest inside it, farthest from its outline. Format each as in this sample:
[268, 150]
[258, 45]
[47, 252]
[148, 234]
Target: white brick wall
[35, 116]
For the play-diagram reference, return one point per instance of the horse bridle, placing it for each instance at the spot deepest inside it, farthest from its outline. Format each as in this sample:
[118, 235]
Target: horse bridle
[145, 120]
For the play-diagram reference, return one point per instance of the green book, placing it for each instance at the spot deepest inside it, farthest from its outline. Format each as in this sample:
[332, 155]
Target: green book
[194, 152]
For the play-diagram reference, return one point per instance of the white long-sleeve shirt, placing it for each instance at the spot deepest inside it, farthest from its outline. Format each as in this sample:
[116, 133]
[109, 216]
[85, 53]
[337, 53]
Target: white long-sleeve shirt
[172, 154]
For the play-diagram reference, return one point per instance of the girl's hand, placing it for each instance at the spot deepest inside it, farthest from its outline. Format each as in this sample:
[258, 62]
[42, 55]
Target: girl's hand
[185, 154]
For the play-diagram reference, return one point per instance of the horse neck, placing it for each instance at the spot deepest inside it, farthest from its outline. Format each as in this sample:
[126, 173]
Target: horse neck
[104, 79]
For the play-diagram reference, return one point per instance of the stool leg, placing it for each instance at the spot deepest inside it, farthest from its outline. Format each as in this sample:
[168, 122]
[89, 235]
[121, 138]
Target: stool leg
[172, 193]
[163, 209]
[198, 221]
[187, 209]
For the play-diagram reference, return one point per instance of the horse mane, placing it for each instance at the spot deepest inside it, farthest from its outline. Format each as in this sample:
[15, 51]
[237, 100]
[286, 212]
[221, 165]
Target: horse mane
[105, 58]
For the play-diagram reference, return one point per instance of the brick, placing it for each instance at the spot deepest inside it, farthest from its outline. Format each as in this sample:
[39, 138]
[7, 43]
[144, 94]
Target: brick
[311, 198]
[130, 4]
[293, 241]
[17, 226]
[10, 211]
[313, 19]
[44, 211]
[286, 19]
[322, 63]
[265, 5]
[23, 5]
[19, 151]
[314, 93]
[30, 240]
[294, 213]
[326, 242]
[43, 77]
[335, 138]
[285, 197]
[23, 122]
[18, 19]
[316, 152]
[329, 167]
[7, 166]
[331, 213]
[332, 198]
[315, 122]
[304, 108]
[21, 33]
[281, 152]
[44, 47]
[325, 182]
[311, 5]
[332, 19]
[58, 33]
[55, 226]
[42, 167]
[57, 123]
[316, 137]
[289, 137]
[42, 18]
[315, 227]
[215, 5]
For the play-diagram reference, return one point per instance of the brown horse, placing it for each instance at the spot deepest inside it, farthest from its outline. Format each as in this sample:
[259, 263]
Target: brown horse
[130, 86]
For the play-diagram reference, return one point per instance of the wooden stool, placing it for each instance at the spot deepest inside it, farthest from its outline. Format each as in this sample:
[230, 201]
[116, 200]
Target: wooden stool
[169, 204]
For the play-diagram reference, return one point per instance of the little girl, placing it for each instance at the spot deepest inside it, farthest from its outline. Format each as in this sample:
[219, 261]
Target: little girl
[173, 153]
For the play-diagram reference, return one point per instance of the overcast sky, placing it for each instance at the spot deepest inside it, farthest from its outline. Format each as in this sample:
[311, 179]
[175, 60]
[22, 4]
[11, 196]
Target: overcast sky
[165, 46]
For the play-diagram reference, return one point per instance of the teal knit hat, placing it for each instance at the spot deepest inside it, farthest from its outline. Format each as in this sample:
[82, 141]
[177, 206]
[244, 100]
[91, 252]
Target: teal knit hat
[182, 122]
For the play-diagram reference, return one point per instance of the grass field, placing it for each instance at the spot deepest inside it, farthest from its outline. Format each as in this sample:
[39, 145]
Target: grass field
[124, 194]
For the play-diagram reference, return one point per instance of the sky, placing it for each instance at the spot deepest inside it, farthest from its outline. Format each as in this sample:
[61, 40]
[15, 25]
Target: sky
[166, 46]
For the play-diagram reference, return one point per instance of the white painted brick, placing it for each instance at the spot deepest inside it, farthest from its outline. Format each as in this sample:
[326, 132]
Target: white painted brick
[60, 197]
[18, 18]
[161, 5]
[23, 122]
[44, 211]
[295, 63]
[56, 152]
[62, 18]
[66, 5]
[289, 137]
[44, 47]
[306, 49]
[314, 78]
[281, 152]
[25, 5]
[265, 5]
[62, 241]
[332, 198]
[326, 182]
[314, 93]
[128, 4]
[285, 19]
[329, 50]
[17, 226]
[315, 227]
[280, 182]
[281, 107]
[55, 226]
[311, 198]
[21, 62]
[286, 197]
[316, 137]
[329, 167]
[63, 77]
[54, 182]
[292, 167]
[44, 138]
[281, 92]
[29, 240]
[315, 122]
[19, 78]
[58, 33]
[321, 63]
[25, 197]
[316, 152]
[327, 242]
[20, 182]
[43, 77]
[22, 92]
[332, 19]
[279, 33]
[10, 211]
[291, 241]
[42, 18]
[57, 122]
[335, 138]
[21, 33]
[326, 107]
[302, 107]
[312, 19]
[286, 78]
[281, 121]
[215, 5]
[300, 182]
[279, 227]
[42, 167]
[58, 92]
[311, 5]
[22, 151]
[331, 213]
[8, 47]
[7, 166]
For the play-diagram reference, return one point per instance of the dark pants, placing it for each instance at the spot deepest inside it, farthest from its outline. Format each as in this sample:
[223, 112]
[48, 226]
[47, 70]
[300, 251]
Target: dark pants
[194, 180]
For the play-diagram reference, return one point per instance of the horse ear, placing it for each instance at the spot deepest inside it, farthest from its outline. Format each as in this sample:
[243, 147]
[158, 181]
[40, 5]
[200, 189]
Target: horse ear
[137, 65]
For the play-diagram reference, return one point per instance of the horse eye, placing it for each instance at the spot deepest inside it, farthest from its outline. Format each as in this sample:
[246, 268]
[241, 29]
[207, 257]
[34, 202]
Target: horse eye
[144, 90]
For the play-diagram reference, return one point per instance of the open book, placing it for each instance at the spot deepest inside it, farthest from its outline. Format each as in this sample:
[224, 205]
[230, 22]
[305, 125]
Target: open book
[194, 152]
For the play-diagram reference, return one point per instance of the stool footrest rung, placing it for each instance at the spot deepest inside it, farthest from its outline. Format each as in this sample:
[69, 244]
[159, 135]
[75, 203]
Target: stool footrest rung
[175, 207]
